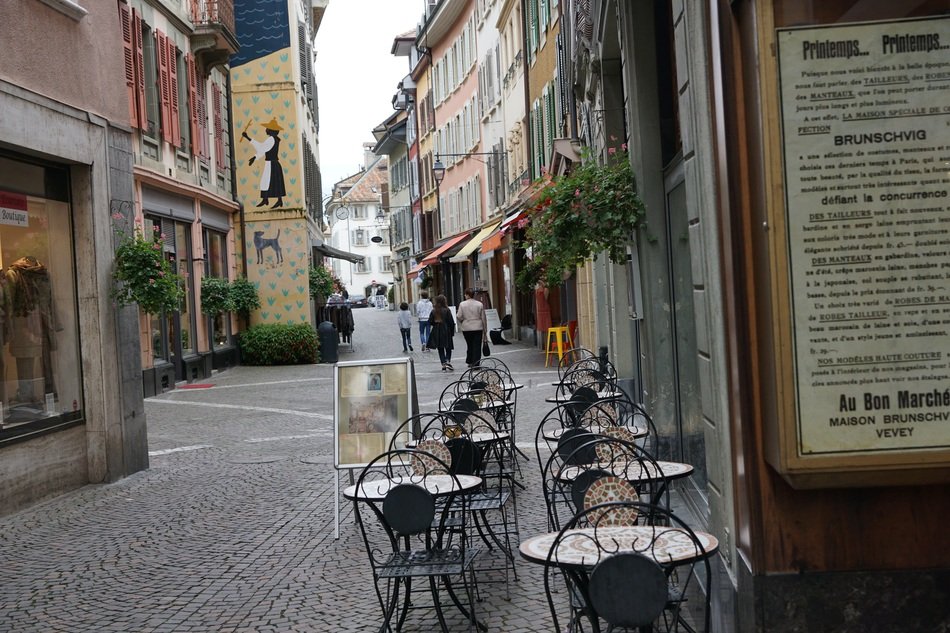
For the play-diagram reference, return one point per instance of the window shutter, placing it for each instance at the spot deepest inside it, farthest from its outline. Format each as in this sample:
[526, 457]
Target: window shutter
[218, 130]
[193, 104]
[302, 55]
[125, 17]
[175, 116]
[161, 47]
[139, 66]
[203, 149]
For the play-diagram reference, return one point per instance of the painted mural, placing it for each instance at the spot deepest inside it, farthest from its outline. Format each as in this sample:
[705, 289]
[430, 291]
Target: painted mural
[269, 161]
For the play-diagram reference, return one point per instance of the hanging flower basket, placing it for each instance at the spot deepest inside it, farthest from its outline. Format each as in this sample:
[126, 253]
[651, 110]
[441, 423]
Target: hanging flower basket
[594, 209]
[144, 276]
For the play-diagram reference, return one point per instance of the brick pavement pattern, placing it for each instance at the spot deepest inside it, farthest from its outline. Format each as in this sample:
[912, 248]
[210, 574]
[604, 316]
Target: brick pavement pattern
[231, 528]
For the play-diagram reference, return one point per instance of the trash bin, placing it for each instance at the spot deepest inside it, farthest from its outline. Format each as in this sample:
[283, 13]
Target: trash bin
[329, 340]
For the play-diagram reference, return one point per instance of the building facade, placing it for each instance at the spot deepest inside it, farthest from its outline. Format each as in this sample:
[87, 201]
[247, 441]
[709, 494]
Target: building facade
[183, 177]
[360, 224]
[276, 151]
[72, 410]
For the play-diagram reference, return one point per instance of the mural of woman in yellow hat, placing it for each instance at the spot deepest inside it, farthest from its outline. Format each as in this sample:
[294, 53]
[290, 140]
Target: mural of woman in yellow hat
[272, 174]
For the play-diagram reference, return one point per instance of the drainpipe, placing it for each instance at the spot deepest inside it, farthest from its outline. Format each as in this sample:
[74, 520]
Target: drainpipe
[233, 165]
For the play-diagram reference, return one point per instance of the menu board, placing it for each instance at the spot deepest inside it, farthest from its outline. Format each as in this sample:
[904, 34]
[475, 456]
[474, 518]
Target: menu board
[866, 132]
[373, 398]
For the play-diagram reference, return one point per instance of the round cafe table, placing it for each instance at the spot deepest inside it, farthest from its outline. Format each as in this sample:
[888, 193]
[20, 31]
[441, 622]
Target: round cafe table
[437, 485]
[584, 547]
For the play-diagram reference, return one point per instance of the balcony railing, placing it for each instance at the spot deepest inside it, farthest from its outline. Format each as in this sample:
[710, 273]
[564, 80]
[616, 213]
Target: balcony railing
[215, 18]
[212, 13]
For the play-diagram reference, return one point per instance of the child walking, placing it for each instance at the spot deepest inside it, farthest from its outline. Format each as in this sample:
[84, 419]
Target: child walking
[404, 319]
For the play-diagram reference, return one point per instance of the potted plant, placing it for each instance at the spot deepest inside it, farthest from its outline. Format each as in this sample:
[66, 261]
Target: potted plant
[215, 296]
[244, 298]
[143, 275]
[322, 283]
[593, 209]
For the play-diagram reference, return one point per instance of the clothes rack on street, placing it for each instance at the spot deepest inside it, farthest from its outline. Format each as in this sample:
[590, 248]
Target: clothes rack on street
[341, 316]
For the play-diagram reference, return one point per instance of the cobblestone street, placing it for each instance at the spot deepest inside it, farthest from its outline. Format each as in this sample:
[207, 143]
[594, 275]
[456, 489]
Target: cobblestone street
[231, 528]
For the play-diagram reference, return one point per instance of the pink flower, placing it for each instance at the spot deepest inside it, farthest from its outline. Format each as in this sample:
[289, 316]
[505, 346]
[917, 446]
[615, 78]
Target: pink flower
[623, 146]
[117, 216]
[151, 282]
[161, 273]
[612, 151]
[577, 193]
[156, 229]
[162, 236]
[157, 247]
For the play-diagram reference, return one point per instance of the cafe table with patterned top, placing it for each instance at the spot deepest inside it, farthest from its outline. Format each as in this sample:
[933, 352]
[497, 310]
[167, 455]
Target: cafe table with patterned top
[437, 485]
[584, 547]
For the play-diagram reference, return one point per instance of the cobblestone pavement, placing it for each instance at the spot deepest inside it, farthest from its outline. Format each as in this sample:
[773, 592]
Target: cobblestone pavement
[231, 529]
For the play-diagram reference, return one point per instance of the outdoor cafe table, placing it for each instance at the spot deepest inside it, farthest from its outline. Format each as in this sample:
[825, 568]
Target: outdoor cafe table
[579, 550]
[555, 434]
[635, 471]
[584, 547]
[437, 485]
[561, 398]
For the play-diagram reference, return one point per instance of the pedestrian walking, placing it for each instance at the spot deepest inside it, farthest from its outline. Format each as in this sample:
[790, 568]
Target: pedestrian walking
[474, 326]
[443, 329]
[404, 319]
[423, 310]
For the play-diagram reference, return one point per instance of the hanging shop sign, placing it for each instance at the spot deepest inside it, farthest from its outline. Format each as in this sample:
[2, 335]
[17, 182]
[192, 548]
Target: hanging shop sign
[865, 113]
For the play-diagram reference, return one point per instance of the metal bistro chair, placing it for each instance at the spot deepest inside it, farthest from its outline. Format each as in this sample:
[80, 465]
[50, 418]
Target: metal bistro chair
[406, 534]
[654, 577]
[585, 459]
[480, 451]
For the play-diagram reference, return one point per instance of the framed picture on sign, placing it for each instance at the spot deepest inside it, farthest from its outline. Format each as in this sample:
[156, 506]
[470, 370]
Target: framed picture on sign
[372, 398]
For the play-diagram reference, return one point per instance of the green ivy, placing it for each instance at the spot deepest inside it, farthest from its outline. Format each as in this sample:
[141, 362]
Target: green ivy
[244, 297]
[215, 296]
[144, 276]
[321, 282]
[593, 209]
[279, 344]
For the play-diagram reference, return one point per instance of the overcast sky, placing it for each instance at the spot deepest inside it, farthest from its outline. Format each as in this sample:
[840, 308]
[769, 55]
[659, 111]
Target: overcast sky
[357, 77]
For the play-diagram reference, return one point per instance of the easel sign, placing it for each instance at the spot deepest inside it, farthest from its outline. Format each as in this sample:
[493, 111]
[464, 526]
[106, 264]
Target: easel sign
[371, 399]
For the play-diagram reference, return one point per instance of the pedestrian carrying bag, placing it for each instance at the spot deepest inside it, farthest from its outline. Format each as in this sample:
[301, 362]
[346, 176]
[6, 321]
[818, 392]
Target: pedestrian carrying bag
[486, 351]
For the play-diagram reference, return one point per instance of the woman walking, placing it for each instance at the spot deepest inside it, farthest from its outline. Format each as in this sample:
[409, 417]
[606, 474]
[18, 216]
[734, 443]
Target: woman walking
[443, 329]
[474, 326]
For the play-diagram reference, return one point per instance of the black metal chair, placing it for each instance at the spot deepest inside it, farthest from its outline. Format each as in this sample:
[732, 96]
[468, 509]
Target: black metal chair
[407, 535]
[611, 572]
[572, 357]
[583, 458]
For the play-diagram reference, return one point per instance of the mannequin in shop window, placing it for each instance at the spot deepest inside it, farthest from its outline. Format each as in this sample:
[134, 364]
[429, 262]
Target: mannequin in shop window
[31, 322]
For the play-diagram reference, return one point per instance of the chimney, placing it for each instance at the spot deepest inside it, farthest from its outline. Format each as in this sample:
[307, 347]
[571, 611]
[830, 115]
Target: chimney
[368, 155]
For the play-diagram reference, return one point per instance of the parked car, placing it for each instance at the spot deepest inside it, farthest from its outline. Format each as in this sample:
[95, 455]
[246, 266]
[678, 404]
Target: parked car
[335, 299]
[358, 301]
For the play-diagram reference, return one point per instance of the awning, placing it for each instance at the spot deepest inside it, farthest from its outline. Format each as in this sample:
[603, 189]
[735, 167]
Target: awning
[493, 242]
[510, 219]
[415, 270]
[474, 243]
[336, 253]
[433, 257]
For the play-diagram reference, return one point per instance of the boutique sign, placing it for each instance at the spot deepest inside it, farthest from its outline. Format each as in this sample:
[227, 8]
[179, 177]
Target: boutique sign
[13, 211]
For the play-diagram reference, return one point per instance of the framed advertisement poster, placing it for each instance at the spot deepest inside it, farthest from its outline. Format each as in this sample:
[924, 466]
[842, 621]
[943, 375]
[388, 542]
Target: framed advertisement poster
[865, 127]
[371, 399]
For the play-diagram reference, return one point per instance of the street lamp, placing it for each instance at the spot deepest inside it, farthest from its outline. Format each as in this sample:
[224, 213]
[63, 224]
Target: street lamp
[438, 172]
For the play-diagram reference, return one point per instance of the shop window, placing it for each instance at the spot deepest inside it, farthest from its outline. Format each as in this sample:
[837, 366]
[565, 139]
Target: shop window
[40, 372]
[173, 333]
[216, 257]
